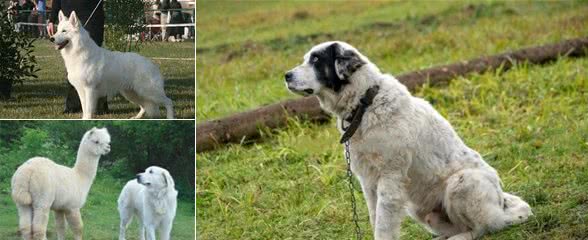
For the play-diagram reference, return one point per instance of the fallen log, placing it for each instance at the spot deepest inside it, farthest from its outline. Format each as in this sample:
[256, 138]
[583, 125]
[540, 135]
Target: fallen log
[246, 126]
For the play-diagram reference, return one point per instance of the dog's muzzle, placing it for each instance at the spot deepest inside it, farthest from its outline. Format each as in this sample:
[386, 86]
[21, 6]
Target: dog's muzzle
[60, 45]
[289, 77]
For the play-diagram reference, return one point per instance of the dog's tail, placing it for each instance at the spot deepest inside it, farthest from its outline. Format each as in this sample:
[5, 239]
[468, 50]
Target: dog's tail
[21, 186]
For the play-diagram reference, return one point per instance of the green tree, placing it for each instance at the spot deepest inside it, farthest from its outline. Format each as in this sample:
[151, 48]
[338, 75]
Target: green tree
[16, 56]
[124, 20]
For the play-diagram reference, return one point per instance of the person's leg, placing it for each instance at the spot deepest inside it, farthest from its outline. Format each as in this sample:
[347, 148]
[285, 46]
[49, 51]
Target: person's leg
[72, 100]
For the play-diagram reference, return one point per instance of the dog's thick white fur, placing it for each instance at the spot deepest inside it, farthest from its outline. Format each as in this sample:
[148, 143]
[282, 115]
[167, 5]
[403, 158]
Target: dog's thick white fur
[96, 72]
[40, 185]
[407, 157]
[151, 197]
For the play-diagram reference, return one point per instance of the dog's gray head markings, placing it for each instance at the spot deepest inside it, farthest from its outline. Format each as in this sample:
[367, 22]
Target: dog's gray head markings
[66, 30]
[327, 66]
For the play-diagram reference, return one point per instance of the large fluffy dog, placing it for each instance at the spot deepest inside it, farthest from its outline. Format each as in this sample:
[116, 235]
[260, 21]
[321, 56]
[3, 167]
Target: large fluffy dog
[40, 185]
[96, 72]
[405, 154]
[152, 198]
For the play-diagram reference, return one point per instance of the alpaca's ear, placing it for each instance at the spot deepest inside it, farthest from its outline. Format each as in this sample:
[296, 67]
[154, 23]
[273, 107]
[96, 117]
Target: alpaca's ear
[169, 181]
[73, 19]
[62, 16]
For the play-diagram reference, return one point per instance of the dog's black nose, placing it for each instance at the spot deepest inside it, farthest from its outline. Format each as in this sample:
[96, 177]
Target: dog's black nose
[288, 76]
[52, 39]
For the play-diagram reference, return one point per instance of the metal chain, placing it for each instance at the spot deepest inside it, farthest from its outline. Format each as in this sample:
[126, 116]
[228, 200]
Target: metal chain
[358, 233]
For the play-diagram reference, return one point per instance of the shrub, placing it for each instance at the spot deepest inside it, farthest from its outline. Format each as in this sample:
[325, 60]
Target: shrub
[18, 62]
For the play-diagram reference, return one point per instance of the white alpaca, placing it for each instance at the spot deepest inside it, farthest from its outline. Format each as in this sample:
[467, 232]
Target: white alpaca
[40, 185]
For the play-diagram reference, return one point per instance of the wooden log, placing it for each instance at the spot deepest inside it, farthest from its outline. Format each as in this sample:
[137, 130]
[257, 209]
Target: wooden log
[246, 126]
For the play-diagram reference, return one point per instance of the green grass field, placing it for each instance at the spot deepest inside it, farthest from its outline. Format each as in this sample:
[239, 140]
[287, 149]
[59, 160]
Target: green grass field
[100, 215]
[44, 97]
[530, 123]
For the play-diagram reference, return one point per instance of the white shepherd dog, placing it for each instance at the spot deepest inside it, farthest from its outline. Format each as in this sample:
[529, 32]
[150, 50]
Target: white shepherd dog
[153, 199]
[96, 72]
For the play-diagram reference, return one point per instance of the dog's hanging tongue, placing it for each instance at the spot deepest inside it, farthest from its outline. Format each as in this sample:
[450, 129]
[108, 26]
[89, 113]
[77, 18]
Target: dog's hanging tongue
[61, 45]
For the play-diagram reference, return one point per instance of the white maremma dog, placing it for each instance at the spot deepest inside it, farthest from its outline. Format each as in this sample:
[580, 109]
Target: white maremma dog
[152, 198]
[407, 157]
[96, 72]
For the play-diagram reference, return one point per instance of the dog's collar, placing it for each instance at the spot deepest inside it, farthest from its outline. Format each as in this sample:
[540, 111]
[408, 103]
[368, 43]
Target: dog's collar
[357, 113]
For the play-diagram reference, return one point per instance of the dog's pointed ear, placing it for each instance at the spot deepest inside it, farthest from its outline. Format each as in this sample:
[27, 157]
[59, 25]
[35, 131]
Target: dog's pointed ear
[73, 19]
[169, 181]
[62, 16]
[346, 62]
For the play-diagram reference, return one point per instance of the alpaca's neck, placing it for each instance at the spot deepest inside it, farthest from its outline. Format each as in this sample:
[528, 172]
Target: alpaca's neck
[86, 165]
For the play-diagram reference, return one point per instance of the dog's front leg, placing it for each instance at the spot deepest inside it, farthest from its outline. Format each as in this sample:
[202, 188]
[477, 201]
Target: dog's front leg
[165, 231]
[91, 103]
[369, 188]
[390, 206]
[150, 230]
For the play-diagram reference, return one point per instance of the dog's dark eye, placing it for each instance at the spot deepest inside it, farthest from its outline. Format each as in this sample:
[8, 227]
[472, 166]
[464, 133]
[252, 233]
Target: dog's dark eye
[151, 171]
[314, 59]
[96, 142]
[62, 30]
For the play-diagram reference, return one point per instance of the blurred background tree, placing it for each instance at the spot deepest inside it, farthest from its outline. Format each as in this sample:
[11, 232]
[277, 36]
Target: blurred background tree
[125, 22]
[16, 55]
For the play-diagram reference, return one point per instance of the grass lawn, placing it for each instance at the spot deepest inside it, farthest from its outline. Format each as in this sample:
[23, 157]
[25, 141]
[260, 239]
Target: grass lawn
[100, 215]
[43, 98]
[530, 123]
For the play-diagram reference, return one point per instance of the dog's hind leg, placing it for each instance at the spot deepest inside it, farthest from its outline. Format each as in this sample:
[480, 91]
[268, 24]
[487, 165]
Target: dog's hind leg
[140, 114]
[25, 217]
[125, 220]
[169, 108]
[60, 224]
[474, 200]
[164, 101]
[151, 110]
[464, 236]
[136, 99]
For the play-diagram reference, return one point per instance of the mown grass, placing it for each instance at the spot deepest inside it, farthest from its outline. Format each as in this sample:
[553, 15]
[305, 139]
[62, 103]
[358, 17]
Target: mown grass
[100, 215]
[529, 123]
[44, 97]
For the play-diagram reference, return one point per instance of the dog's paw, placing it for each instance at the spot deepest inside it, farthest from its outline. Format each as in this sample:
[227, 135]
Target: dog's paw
[520, 213]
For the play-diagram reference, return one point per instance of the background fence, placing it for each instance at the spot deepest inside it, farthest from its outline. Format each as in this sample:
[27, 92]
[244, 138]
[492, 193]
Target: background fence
[34, 22]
